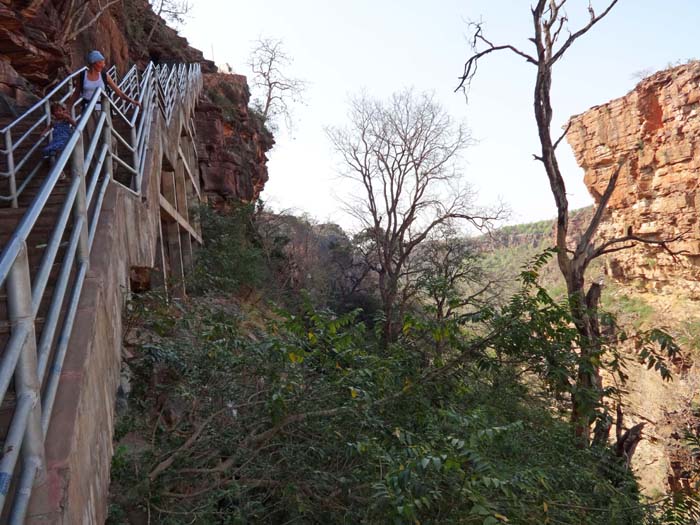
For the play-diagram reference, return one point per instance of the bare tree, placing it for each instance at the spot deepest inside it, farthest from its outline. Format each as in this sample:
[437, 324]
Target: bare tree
[453, 283]
[173, 11]
[552, 39]
[453, 278]
[403, 155]
[79, 15]
[268, 62]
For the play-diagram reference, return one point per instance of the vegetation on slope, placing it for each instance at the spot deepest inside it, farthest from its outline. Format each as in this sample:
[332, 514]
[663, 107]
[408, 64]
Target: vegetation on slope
[248, 412]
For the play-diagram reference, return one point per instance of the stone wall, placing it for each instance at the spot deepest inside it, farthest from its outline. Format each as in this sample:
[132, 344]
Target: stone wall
[79, 441]
[655, 132]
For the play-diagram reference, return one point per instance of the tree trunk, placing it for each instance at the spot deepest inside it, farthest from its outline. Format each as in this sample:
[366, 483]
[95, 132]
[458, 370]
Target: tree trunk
[589, 388]
[388, 290]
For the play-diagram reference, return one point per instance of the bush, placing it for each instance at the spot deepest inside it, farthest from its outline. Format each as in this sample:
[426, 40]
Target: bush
[230, 257]
[305, 419]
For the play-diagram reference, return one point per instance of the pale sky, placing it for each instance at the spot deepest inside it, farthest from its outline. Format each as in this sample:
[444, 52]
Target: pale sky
[382, 46]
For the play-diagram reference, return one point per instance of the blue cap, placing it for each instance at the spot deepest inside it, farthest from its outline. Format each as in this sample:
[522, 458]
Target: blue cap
[94, 56]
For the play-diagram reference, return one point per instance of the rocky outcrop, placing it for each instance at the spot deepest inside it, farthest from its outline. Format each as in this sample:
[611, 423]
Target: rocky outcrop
[41, 41]
[28, 58]
[654, 132]
[37, 50]
[231, 140]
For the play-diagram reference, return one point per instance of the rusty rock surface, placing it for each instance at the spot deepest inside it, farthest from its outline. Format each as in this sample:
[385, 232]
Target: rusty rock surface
[38, 47]
[231, 140]
[654, 132]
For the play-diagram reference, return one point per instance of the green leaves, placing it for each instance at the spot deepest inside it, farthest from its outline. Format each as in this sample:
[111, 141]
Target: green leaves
[308, 420]
[658, 348]
[231, 256]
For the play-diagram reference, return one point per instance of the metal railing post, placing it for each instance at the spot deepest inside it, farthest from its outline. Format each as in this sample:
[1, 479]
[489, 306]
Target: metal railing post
[26, 422]
[135, 156]
[107, 136]
[47, 111]
[80, 205]
[11, 167]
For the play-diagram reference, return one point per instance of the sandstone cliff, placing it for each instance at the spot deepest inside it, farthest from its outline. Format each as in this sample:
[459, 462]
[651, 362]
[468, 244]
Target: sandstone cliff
[655, 132]
[231, 140]
[40, 44]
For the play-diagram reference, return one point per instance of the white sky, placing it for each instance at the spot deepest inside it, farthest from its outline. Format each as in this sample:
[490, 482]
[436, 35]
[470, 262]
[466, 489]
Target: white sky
[382, 46]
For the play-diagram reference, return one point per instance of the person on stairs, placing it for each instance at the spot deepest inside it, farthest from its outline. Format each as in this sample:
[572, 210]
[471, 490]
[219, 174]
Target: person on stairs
[93, 78]
[61, 128]
[96, 76]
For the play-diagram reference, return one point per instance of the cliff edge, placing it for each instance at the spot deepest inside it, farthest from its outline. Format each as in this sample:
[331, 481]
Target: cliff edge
[654, 131]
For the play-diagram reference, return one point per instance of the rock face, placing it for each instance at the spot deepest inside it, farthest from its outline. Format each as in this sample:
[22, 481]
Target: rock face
[28, 57]
[231, 140]
[40, 45]
[654, 131]
[42, 40]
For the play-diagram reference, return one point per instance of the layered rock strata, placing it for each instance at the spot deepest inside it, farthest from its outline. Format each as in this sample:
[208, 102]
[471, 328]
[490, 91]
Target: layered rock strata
[42, 40]
[654, 132]
[231, 140]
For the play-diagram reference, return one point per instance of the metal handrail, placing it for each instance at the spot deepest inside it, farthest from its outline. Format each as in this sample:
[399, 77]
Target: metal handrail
[92, 160]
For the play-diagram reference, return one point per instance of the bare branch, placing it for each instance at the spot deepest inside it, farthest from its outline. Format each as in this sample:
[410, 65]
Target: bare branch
[173, 11]
[166, 463]
[471, 66]
[586, 238]
[564, 133]
[74, 15]
[267, 61]
[616, 244]
[572, 38]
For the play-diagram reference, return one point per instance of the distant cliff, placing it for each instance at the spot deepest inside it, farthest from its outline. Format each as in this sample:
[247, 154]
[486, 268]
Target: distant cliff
[540, 235]
[36, 52]
[655, 131]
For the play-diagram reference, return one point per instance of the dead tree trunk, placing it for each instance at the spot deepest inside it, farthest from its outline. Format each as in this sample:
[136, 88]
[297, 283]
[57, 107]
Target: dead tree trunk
[549, 20]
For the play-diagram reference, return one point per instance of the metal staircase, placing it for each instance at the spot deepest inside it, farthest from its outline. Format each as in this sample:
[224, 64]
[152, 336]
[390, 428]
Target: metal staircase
[48, 221]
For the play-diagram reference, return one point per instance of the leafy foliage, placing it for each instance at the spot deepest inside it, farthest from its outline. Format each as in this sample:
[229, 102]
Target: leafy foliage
[307, 417]
[231, 256]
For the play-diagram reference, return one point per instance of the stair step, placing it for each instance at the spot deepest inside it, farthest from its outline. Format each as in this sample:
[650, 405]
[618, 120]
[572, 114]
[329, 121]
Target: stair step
[43, 227]
[43, 306]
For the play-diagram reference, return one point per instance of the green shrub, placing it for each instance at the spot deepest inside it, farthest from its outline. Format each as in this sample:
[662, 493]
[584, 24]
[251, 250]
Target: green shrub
[309, 420]
[230, 257]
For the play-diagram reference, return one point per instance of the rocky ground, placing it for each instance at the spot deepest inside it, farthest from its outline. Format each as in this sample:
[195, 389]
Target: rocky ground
[669, 409]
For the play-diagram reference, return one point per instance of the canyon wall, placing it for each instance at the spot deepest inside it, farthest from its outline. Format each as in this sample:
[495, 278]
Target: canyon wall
[654, 132]
[37, 50]
[231, 140]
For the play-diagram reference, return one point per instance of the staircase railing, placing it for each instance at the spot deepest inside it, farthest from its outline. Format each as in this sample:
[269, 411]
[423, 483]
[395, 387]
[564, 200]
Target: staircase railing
[91, 158]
